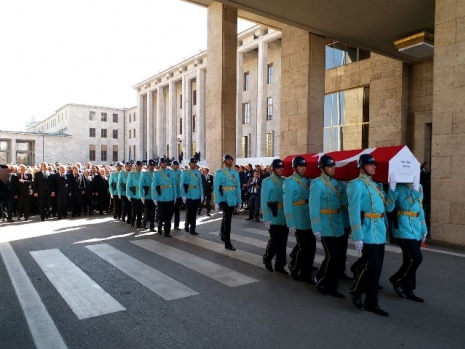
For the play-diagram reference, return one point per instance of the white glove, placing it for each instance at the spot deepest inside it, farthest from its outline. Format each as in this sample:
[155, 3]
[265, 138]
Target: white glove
[184, 199]
[174, 201]
[119, 197]
[201, 199]
[416, 183]
[359, 246]
[392, 181]
[143, 200]
[292, 231]
[317, 235]
[268, 225]
[111, 195]
[155, 202]
[217, 207]
[423, 238]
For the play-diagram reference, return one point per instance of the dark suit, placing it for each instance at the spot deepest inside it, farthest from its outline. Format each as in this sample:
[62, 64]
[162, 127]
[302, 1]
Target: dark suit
[253, 189]
[24, 194]
[42, 186]
[87, 205]
[207, 184]
[61, 186]
[78, 187]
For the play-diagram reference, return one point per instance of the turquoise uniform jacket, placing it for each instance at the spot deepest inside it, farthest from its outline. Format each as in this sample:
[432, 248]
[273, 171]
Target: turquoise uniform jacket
[122, 179]
[230, 184]
[113, 183]
[368, 198]
[132, 186]
[327, 199]
[145, 185]
[164, 180]
[410, 214]
[272, 191]
[295, 197]
[177, 181]
[192, 181]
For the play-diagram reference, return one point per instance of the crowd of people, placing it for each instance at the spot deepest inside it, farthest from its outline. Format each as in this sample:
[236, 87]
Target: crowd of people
[148, 195]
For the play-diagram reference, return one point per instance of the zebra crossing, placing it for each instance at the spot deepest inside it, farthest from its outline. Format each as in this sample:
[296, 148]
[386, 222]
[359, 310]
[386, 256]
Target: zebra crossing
[87, 299]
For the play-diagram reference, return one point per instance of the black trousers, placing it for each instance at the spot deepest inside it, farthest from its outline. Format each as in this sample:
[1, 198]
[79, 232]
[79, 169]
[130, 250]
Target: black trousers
[177, 212]
[226, 222]
[61, 205]
[76, 204]
[191, 213]
[165, 211]
[369, 272]
[411, 260]
[328, 274]
[254, 206]
[127, 209]
[24, 204]
[207, 201]
[149, 213]
[277, 245]
[305, 256]
[117, 209]
[137, 210]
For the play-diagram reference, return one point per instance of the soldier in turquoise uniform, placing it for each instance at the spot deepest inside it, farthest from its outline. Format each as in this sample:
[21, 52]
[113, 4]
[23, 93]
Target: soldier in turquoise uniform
[192, 194]
[410, 230]
[295, 197]
[126, 204]
[164, 195]
[145, 190]
[133, 194]
[326, 201]
[113, 188]
[273, 216]
[177, 205]
[227, 191]
[367, 206]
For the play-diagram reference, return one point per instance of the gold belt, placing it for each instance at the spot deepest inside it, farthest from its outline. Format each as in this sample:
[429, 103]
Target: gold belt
[408, 213]
[373, 215]
[280, 204]
[299, 203]
[229, 188]
[330, 211]
[192, 186]
[165, 186]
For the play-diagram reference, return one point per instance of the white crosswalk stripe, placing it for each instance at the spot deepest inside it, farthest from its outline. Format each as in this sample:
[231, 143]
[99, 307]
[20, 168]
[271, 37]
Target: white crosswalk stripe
[155, 281]
[212, 270]
[82, 294]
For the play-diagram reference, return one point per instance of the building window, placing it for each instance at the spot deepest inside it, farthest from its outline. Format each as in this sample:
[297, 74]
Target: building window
[338, 53]
[115, 153]
[115, 118]
[91, 152]
[134, 133]
[269, 144]
[194, 97]
[92, 116]
[130, 134]
[103, 117]
[103, 153]
[180, 101]
[91, 132]
[269, 79]
[346, 121]
[115, 134]
[269, 108]
[246, 81]
[193, 123]
[180, 126]
[245, 147]
[103, 133]
[246, 113]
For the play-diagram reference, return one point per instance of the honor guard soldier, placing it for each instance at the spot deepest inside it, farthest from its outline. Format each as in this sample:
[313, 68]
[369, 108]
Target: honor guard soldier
[227, 191]
[367, 206]
[410, 229]
[192, 194]
[273, 216]
[177, 205]
[326, 201]
[164, 195]
[126, 204]
[295, 198]
[145, 190]
[113, 188]
[133, 194]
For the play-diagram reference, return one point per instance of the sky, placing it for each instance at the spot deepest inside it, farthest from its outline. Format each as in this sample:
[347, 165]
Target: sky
[55, 52]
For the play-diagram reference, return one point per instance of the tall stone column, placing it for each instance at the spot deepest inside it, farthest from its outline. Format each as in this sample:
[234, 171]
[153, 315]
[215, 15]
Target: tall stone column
[448, 140]
[261, 97]
[187, 108]
[221, 92]
[161, 121]
[239, 84]
[149, 124]
[172, 137]
[200, 131]
[141, 108]
[302, 92]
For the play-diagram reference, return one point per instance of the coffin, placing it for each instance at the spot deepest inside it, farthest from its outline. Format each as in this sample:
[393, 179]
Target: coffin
[397, 159]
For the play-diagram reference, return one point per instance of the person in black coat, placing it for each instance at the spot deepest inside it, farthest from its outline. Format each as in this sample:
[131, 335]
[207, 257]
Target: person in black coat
[41, 188]
[87, 206]
[100, 190]
[207, 185]
[78, 191]
[24, 193]
[61, 190]
[5, 191]
[253, 189]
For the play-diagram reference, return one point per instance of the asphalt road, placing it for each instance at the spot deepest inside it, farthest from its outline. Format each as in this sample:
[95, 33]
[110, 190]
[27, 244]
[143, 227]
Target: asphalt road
[147, 291]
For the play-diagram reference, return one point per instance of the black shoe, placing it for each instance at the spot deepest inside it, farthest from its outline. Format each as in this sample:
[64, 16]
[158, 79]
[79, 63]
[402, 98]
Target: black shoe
[295, 276]
[194, 233]
[356, 301]
[230, 247]
[376, 309]
[186, 229]
[281, 271]
[400, 291]
[167, 235]
[344, 276]
[208, 214]
[177, 228]
[140, 226]
[322, 290]
[411, 296]
[221, 236]
[268, 265]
